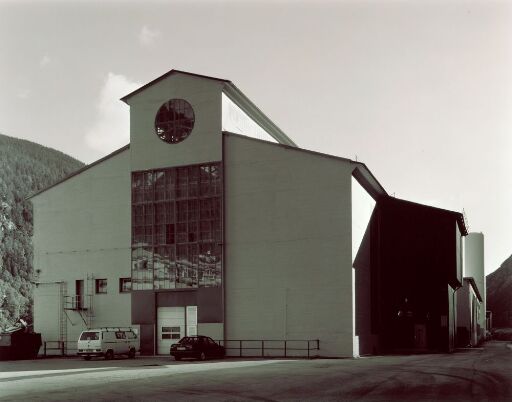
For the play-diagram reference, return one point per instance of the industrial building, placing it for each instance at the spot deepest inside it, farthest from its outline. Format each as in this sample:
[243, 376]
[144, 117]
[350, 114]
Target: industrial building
[417, 268]
[212, 221]
[471, 298]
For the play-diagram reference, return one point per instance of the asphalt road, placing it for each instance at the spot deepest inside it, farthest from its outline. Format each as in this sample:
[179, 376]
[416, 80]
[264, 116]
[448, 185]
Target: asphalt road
[483, 374]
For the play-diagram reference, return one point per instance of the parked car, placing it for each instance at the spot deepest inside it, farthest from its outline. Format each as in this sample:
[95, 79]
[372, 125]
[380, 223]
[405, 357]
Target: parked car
[199, 347]
[108, 342]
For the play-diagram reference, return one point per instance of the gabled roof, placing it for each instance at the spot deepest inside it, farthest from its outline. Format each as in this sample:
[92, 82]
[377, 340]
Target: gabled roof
[237, 96]
[77, 172]
[167, 74]
[361, 172]
[456, 215]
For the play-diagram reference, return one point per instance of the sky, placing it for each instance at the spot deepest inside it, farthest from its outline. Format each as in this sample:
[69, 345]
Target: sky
[420, 91]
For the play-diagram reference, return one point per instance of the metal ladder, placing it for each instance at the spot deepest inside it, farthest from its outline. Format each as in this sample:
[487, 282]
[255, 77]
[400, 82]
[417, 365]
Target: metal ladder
[63, 317]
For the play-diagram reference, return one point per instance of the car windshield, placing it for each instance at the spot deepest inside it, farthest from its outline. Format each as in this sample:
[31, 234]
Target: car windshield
[90, 336]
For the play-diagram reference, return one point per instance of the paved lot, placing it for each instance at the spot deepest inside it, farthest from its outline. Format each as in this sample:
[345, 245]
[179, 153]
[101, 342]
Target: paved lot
[475, 374]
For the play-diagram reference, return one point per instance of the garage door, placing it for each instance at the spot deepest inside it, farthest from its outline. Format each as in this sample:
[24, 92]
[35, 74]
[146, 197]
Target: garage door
[174, 323]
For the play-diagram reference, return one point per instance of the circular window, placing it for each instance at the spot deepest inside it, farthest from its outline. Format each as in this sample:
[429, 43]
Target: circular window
[174, 121]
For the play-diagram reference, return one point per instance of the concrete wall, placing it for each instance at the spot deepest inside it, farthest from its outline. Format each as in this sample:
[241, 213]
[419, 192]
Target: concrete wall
[48, 312]
[474, 267]
[469, 313]
[204, 144]
[82, 230]
[288, 265]
[363, 206]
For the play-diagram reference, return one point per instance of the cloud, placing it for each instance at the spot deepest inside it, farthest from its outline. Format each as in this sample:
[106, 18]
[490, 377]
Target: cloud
[147, 36]
[23, 93]
[111, 130]
[45, 60]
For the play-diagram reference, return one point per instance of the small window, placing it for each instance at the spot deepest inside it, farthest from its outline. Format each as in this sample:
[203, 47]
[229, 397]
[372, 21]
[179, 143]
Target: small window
[120, 335]
[125, 285]
[171, 332]
[101, 286]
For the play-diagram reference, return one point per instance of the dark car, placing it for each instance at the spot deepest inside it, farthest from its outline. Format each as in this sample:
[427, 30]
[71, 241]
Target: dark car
[199, 347]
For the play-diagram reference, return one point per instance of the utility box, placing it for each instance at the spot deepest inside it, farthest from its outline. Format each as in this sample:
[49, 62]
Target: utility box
[17, 343]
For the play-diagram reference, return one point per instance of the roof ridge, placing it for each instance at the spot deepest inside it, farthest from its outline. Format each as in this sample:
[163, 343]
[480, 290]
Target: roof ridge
[167, 74]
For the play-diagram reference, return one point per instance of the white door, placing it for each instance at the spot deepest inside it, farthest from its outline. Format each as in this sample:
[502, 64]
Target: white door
[170, 327]
[191, 320]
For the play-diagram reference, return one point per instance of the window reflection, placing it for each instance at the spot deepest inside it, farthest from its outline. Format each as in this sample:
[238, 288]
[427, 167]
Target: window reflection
[177, 227]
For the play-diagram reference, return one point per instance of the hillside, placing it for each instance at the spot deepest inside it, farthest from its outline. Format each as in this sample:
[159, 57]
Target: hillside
[499, 294]
[25, 167]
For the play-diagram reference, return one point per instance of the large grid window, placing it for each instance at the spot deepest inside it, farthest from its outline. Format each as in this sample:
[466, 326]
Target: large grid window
[177, 228]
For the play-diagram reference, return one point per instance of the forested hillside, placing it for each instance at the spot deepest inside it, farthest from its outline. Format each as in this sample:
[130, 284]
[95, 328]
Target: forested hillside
[499, 294]
[25, 167]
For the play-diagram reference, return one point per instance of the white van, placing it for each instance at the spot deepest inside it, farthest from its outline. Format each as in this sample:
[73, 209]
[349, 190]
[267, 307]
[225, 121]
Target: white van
[108, 342]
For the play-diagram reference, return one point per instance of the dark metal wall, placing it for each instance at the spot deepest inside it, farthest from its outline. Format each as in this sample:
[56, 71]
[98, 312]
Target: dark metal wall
[414, 269]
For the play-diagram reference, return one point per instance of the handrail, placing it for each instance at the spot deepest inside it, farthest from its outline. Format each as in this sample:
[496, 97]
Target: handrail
[113, 329]
[288, 347]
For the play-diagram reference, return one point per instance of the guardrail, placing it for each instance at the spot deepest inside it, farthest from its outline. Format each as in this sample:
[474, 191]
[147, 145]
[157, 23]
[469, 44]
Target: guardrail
[271, 347]
[239, 347]
[59, 348]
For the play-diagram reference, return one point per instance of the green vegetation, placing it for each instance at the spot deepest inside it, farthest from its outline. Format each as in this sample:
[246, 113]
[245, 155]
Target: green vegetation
[25, 168]
[499, 295]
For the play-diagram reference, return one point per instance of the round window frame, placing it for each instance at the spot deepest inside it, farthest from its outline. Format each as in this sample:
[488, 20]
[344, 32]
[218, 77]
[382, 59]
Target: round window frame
[174, 130]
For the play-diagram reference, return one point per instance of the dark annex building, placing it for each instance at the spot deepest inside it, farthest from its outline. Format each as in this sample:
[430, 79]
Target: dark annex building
[412, 262]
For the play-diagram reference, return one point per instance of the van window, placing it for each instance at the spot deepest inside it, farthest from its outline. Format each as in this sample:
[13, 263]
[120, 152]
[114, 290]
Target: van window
[120, 335]
[90, 336]
[131, 335]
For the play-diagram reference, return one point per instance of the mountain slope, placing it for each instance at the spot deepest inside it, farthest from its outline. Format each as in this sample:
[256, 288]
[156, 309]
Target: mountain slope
[25, 167]
[499, 294]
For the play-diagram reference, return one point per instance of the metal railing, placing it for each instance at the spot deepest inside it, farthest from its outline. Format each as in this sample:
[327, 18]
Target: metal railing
[271, 347]
[78, 302]
[234, 348]
[59, 348]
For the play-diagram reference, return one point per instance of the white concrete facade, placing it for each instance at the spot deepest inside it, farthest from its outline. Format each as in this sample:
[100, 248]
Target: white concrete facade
[82, 232]
[205, 144]
[288, 231]
[362, 207]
